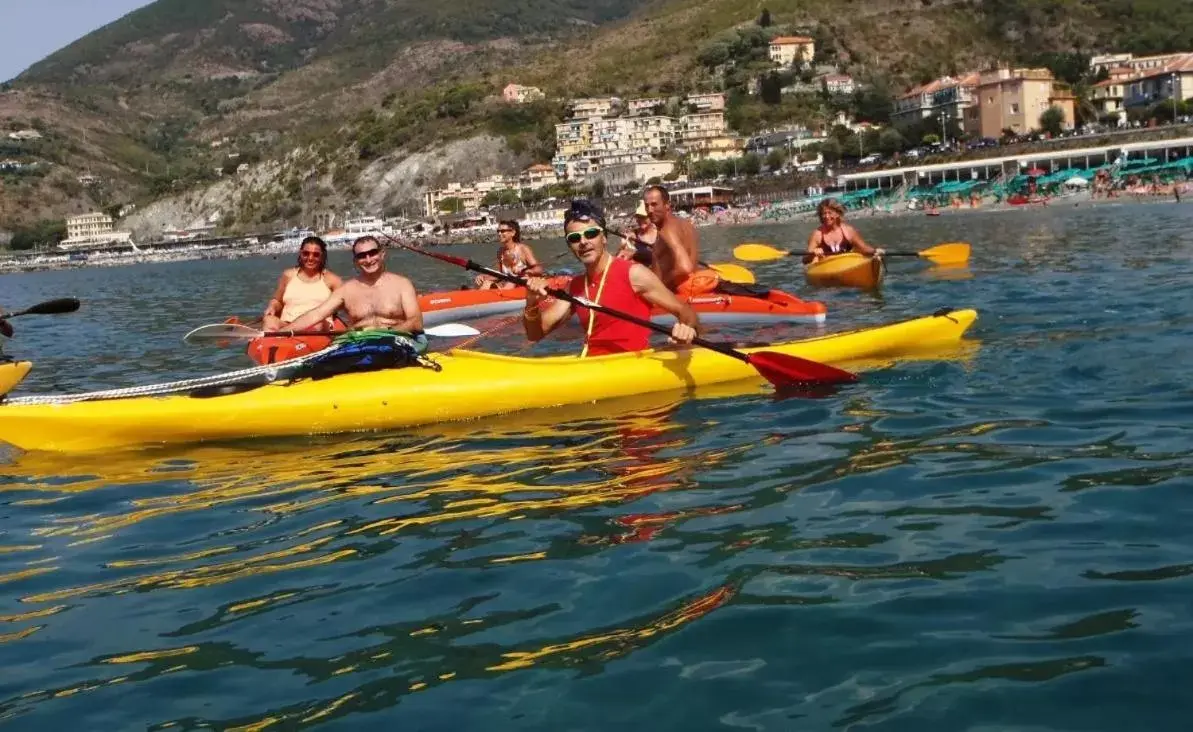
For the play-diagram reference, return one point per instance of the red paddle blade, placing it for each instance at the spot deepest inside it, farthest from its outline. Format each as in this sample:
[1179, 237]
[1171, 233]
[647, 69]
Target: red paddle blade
[787, 371]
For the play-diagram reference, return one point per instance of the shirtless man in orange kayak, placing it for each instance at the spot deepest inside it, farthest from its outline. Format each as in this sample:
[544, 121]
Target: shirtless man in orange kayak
[677, 249]
[374, 300]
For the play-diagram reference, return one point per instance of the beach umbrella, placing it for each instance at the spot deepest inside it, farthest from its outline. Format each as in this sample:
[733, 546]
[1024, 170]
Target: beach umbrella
[1077, 182]
[1033, 172]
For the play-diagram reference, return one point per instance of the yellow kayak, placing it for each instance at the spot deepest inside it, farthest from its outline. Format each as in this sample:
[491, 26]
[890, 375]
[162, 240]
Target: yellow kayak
[846, 270]
[467, 385]
[11, 373]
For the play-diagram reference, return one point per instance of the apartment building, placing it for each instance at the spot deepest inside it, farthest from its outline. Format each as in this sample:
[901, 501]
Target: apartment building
[706, 102]
[518, 94]
[701, 126]
[940, 100]
[1014, 99]
[538, 175]
[1131, 63]
[645, 106]
[1107, 96]
[590, 108]
[789, 50]
[1172, 81]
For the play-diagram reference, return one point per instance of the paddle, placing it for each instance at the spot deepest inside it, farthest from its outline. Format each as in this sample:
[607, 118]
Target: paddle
[731, 272]
[49, 307]
[949, 253]
[779, 369]
[238, 332]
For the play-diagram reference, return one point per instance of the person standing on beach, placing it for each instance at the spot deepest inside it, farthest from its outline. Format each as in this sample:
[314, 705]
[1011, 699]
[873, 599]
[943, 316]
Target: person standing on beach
[375, 300]
[834, 236]
[677, 249]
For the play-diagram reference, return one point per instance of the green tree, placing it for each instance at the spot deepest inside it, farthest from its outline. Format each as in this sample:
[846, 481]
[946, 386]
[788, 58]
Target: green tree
[1052, 121]
[750, 165]
[775, 159]
[770, 89]
[598, 188]
[764, 19]
[890, 141]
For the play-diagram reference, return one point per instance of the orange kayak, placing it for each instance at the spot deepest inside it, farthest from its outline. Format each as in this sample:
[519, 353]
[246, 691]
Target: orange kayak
[715, 307]
[456, 305]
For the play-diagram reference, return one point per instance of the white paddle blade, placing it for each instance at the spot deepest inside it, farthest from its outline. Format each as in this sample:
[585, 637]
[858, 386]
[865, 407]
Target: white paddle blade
[452, 330]
[222, 331]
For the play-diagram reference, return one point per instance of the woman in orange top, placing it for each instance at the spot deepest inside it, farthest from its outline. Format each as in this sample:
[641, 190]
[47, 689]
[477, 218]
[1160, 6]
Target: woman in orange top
[302, 288]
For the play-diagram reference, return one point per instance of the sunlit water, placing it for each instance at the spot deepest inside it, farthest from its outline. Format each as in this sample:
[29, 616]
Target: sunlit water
[993, 542]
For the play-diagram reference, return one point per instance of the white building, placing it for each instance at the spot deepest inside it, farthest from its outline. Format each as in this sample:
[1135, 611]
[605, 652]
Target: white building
[788, 50]
[92, 229]
[707, 102]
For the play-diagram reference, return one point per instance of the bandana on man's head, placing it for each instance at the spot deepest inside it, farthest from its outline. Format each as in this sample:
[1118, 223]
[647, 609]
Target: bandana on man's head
[584, 210]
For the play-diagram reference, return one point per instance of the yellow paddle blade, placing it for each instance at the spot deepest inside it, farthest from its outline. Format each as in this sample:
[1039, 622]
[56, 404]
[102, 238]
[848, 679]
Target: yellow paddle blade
[734, 273]
[956, 252]
[754, 252]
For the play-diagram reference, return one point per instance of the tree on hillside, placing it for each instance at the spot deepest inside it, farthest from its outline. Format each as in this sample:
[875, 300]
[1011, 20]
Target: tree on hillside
[1052, 121]
[764, 19]
[771, 89]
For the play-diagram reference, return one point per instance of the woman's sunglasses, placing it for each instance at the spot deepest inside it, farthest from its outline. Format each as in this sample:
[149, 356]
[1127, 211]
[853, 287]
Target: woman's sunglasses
[311, 255]
[365, 254]
[590, 233]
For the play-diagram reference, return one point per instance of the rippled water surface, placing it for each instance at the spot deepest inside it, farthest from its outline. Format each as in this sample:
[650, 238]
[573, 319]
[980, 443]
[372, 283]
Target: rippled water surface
[996, 540]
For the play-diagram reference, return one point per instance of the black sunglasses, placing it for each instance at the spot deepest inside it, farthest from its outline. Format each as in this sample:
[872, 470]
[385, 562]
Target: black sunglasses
[365, 254]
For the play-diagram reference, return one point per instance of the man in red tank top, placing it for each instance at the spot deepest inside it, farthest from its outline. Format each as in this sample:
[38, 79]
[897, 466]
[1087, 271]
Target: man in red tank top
[607, 280]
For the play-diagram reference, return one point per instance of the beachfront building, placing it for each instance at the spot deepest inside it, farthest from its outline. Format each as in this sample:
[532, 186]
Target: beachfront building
[703, 197]
[790, 50]
[92, 229]
[1169, 82]
[707, 102]
[939, 101]
[589, 108]
[518, 94]
[1107, 96]
[1014, 99]
[620, 176]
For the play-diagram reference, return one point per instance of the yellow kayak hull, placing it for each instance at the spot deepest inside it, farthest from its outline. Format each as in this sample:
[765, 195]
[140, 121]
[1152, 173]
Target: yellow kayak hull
[470, 385]
[846, 270]
[11, 374]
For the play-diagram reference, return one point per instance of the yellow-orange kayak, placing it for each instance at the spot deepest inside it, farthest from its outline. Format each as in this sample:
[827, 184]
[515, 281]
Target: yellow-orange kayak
[463, 385]
[11, 373]
[846, 270]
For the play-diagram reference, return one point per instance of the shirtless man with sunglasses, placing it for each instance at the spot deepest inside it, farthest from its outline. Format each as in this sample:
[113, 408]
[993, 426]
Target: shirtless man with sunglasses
[374, 300]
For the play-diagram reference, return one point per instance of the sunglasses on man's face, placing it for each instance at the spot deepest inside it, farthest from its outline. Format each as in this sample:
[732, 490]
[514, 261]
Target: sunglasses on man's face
[365, 254]
[590, 233]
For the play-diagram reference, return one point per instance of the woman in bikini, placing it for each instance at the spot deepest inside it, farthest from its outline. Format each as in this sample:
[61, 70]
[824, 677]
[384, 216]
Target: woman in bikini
[637, 245]
[303, 287]
[834, 236]
[513, 257]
